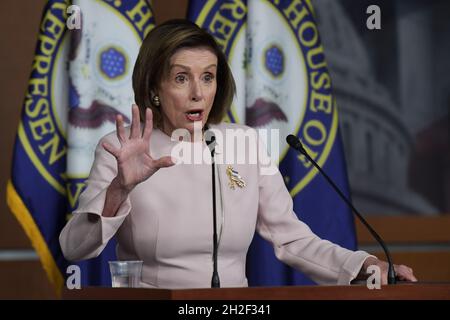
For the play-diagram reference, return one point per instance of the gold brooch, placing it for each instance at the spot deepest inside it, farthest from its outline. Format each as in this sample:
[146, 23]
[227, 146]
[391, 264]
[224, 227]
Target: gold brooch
[235, 178]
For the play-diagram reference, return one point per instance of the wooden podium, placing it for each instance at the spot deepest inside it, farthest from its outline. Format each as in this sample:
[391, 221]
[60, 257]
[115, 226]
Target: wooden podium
[405, 291]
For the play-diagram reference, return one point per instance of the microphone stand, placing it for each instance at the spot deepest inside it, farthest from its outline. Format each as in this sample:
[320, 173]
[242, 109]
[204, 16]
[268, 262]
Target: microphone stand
[215, 281]
[294, 142]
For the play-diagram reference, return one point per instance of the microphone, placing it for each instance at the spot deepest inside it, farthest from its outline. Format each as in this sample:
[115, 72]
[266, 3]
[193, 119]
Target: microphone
[211, 143]
[295, 143]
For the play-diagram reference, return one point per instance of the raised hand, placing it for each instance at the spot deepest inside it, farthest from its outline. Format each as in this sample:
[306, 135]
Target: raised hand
[134, 163]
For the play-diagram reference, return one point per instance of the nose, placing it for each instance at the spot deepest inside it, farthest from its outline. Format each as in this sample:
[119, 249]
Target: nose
[196, 91]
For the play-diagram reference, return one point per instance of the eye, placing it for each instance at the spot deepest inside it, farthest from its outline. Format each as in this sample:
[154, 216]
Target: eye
[208, 77]
[180, 78]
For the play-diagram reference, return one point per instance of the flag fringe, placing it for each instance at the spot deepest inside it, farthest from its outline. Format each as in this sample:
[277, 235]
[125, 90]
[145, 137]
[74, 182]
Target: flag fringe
[22, 214]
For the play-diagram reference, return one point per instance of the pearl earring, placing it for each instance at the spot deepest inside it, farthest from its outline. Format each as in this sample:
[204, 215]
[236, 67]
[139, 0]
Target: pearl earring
[156, 101]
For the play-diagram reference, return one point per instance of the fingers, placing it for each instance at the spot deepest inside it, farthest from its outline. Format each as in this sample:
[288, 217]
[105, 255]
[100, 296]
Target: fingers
[384, 275]
[164, 162]
[112, 150]
[120, 130]
[148, 124]
[402, 272]
[405, 273]
[135, 122]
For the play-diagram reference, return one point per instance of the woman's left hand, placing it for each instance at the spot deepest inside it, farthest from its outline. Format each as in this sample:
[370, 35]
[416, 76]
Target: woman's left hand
[402, 272]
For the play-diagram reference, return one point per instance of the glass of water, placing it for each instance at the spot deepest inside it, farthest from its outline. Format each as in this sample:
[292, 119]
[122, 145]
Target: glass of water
[125, 274]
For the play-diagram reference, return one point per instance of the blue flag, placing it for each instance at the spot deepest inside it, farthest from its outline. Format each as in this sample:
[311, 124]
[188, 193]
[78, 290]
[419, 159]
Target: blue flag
[277, 59]
[80, 80]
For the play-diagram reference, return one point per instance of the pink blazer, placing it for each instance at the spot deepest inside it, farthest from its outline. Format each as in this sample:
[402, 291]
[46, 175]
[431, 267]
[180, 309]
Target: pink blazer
[167, 222]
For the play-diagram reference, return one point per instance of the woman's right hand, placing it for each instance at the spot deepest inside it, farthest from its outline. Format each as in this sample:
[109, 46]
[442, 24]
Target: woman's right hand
[134, 162]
